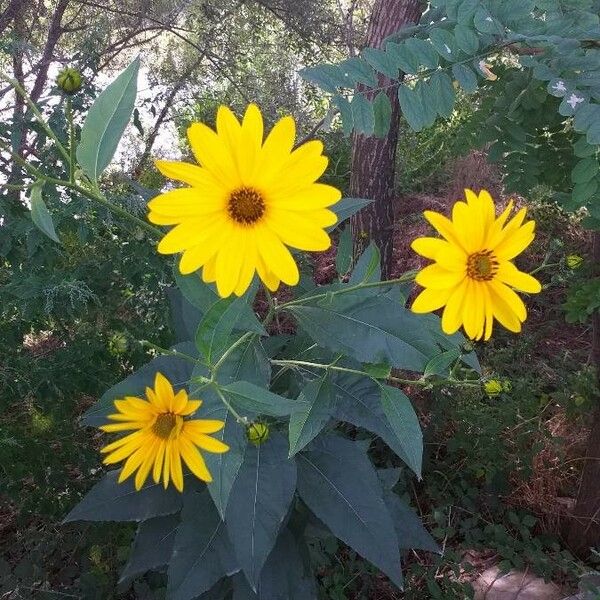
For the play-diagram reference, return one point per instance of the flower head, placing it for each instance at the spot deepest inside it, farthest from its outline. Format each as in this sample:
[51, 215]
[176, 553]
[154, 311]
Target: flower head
[472, 274]
[493, 387]
[574, 261]
[69, 80]
[257, 433]
[161, 437]
[247, 201]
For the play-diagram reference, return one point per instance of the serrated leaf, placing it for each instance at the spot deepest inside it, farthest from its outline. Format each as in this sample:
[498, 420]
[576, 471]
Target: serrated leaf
[465, 77]
[382, 112]
[347, 207]
[202, 553]
[424, 52]
[259, 500]
[405, 425]
[368, 266]
[152, 546]
[40, 215]
[466, 39]
[442, 93]
[345, 114]
[328, 474]
[253, 400]
[343, 255]
[112, 501]
[585, 170]
[306, 425]
[362, 114]
[412, 109]
[106, 121]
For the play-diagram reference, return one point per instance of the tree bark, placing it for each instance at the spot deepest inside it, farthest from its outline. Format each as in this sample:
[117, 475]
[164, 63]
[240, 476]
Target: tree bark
[583, 529]
[374, 159]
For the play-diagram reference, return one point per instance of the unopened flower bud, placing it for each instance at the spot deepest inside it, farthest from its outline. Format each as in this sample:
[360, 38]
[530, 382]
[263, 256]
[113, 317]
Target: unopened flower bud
[257, 433]
[69, 80]
[574, 261]
[493, 387]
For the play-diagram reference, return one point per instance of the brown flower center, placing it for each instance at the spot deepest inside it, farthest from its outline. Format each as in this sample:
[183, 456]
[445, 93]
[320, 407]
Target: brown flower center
[246, 205]
[482, 266]
[164, 424]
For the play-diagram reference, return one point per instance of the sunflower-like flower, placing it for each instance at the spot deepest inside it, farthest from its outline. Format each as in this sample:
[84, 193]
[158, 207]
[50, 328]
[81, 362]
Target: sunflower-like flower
[248, 200]
[162, 436]
[472, 274]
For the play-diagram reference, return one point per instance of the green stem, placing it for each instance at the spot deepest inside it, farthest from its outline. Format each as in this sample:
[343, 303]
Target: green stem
[238, 417]
[168, 352]
[229, 350]
[361, 286]
[72, 142]
[38, 115]
[544, 266]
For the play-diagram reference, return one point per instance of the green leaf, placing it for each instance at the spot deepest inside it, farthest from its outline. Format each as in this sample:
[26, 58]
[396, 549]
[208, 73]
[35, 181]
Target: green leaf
[254, 400]
[259, 501]
[443, 93]
[358, 401]
[412, 109]
[359, 71]
[202, 552]
[582, 149]
[176, 370]
[486, 23]
[465, 77]
[347, 207]
[40, 215]
[585, 117]
[409, 529]
[362, 113]
[371, 329]
[424, 52]
[585, 170]
[582, 192]
[445, 43]
[466, 39]
[380, 371]
[112, 501]
[343, 255]
[152, 546]
[217, 324]
[368, 266]
[440, 364]
[404, 58]
[338, 483]
[405, 425]
[382, 110]
[381, 61]
[306, 425]
[106, 121]
[428, 102]
[327, 77]
[345, 114]
[466, 11]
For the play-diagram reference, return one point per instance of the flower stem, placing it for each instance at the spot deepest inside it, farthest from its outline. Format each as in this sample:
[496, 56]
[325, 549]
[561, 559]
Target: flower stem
[168, 352]
[229, 350]
[72, 142]
[226, 403]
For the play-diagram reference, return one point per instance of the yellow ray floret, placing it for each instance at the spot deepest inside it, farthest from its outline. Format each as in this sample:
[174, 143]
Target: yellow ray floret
[472, 275]
[248, 200]
[162, 436]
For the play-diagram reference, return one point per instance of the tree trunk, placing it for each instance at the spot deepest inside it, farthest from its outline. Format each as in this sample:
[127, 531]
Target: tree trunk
[373, 159]
[583, 529]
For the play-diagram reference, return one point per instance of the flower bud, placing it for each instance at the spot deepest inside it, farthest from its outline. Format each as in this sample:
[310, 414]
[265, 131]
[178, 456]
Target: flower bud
[493, 387]
[257, 433]
[574, 261]
[117, 344]
[69, 80]
[486, 71]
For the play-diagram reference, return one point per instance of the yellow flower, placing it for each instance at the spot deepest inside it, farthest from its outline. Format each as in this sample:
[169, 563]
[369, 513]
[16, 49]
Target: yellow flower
[162, 437]
[493, 387]
[247, 201]
[472, 271]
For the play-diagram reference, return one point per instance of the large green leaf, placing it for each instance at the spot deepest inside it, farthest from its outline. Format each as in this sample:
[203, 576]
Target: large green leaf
[347, 207]
[345, 113]
[362, 114]
[343, 255]
[202, 552]
[106, 121]
[466, 77]
[411, 105]
[405, 425]
[152, 546]
[359, 71]
[374, 329]
[338, 483]
[404, 58]
[112, 501]
[306, 425]
[259, 500]
[253, 400]
[328, 77]
[382, 111]
[368, 266]
[381, 61]
[358, 401]
[466, 39]
[176, 370]
[424, 52]
[443, 93]
[445, 43]
[585, 170]
[485, 22]
[40, 215]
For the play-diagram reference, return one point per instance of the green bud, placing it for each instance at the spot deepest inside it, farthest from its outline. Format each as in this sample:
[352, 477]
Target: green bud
[506, 385]
[69, 80]
[574, 261]
[493, 387]
[117, 344]
[257, 433]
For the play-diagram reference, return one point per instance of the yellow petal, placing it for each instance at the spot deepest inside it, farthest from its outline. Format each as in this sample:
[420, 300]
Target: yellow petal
[196, 426]
[300, 230]
[504, 312]
[130, 445]
[187, 173]
[189, 202]
[112, 427]
[158, 461]
[444, 226]
[437, 278]
[429, 300]
[144, 470]
[121, 441]
[210, 444]
[209, 272]
[268, 277]
[509, 274]
[468, 227]
[510, 298]
[277, 257]
[311, 197]
[452, 315]
[429, 247]
[175, 466]
[193, 459]
[194, 258]
[248, 266]
[276, 149]
[132, 463]
[516, 242]
[179, 402]
[167, 464]
[164, 391]
[192, 233]
[191, 407]
[473, 310]
[229, 262]
[489, 312]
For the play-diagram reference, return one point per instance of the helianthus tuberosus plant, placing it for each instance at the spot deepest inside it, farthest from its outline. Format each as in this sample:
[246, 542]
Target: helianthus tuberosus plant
[226, 445]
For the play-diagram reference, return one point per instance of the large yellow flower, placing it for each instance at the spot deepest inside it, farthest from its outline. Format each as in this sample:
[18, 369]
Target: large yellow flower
[473, 275]
[162, 437]
[247, 202]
